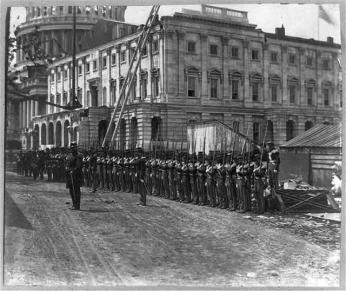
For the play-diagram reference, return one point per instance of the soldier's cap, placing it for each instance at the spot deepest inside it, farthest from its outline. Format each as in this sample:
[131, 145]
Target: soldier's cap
[73, 144]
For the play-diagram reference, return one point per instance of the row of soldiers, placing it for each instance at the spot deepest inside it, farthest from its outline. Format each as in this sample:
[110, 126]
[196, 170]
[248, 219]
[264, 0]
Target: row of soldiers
[38, 163]
[229, 180]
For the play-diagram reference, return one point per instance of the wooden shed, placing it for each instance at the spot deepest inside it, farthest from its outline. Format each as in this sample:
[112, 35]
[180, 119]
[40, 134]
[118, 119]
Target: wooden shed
[312, 154]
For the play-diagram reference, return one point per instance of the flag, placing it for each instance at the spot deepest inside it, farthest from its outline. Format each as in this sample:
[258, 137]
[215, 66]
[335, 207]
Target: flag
[322, 13]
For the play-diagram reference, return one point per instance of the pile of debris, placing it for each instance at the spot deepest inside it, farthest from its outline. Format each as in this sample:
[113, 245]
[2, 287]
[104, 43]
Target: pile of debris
[296, 195]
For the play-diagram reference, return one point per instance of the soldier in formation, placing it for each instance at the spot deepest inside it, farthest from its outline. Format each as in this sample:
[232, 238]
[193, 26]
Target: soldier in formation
[233, 181]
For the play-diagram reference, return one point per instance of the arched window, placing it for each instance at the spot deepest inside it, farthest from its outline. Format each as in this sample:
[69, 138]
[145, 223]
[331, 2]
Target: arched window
[58, 134]
[308, 125]
[66, 125]
[290, 130]
[156, 128]
[270, 131]
[36, 133]
[43, 134]
[51, 133]
[103, 124]
[133, 133]
[122, 134]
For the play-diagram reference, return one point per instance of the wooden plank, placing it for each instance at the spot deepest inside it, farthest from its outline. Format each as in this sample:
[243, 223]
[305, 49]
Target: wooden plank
[326, 157]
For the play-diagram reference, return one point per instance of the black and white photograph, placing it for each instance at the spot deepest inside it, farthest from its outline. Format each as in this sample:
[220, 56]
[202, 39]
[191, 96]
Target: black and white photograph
[172, 145]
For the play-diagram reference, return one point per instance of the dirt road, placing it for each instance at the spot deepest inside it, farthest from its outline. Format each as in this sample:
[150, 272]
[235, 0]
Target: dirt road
[112, 241]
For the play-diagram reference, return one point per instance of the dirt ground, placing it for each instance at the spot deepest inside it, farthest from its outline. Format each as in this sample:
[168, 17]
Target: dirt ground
[113, 242]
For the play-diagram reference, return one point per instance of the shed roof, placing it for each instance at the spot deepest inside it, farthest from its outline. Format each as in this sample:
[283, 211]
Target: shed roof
[321, 135]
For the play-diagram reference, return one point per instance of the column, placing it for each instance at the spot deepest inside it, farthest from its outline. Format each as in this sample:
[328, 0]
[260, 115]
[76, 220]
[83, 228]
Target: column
[20, 115]
[181, 63]
[162, 88]
[266, 91]
[246, 92]
[28, 112]
[204, 66]
[284, 66]
[224, 61]
[150, 60]
[118, 51]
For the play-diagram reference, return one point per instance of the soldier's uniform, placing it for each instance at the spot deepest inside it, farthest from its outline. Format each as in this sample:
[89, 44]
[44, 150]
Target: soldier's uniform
[201, 189]
[171, 180]
[220, 185]
[185, 182]
[178, 179]
[148, 176]
[230, 184]
[273, 165]
[74, 175]
[192, 178]
[259, 174]
[210, 172]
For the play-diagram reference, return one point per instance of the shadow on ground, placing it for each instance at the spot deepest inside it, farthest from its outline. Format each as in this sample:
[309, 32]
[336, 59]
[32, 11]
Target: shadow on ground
[13, 215]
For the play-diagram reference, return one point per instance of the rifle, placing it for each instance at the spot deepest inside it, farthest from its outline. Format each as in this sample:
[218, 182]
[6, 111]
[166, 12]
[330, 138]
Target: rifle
[224, 149]
[205, 135]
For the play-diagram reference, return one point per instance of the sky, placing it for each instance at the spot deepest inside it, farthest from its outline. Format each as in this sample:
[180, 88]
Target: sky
[299, 20]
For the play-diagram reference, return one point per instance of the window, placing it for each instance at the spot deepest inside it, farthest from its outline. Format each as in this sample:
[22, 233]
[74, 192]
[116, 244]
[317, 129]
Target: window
[326, 97]
[143, 85]
[79, 10]
[255, 91]
[144, 51]
[274, 93]
[291, 59]
[155, 47]
[308, 125]
[87, 10]
[214, 88]
[254, 55]
[96, 10]
[325, 64]
[113, 57]
[340, 98]
[191, 46]
[52, 77]
[64, 98]
[155, 77]
[103, 10]
[235, 126]
[309, 93]
[309, 61]
[65, 74]
[255, 131]
[235, 52]
[110, 12]
[104, 62]
[61, 9]
[44, 11]
[94, 65]
[213, 50]
[58, 98]
[292, 90]
[79, 70]
[59, 76]
[274, 57]
[191, 86]
[69, 9]
[123, 56]
[38, 11]
[235, 89]
[87, 67]
[132, 52]
[289, 130]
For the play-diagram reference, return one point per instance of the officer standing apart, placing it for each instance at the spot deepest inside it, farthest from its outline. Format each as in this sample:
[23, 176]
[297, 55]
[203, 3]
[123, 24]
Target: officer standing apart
[74, 175]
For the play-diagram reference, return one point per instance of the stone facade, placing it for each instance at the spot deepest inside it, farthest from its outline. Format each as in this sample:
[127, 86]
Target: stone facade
[50, 29]
[202, 65]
